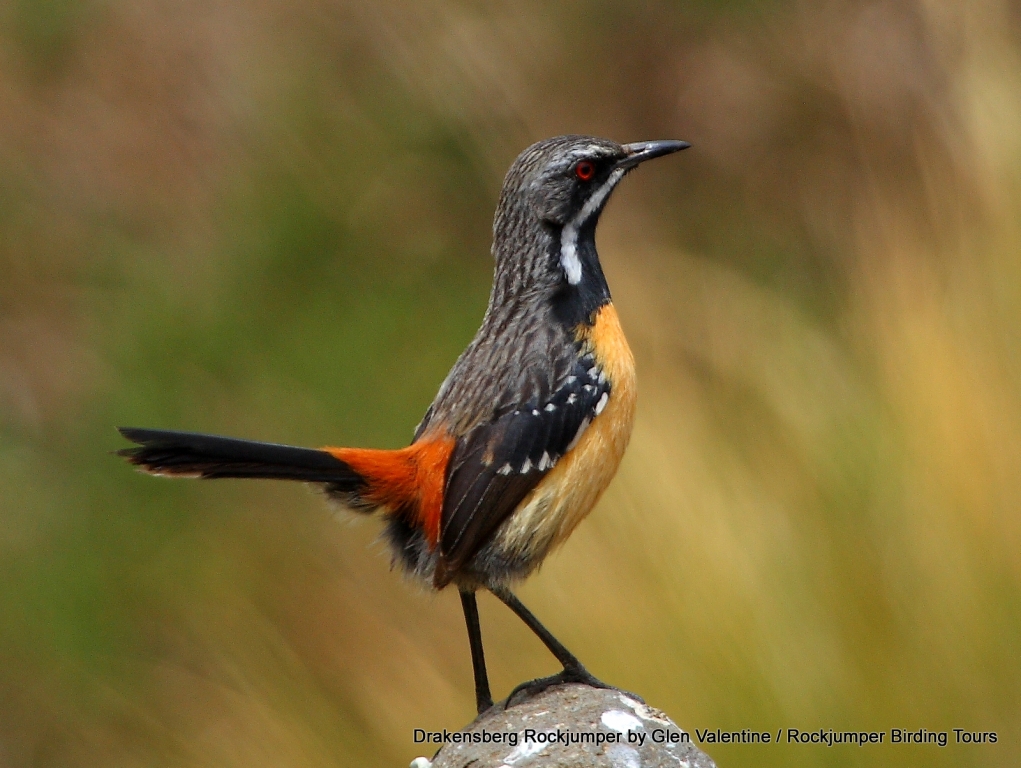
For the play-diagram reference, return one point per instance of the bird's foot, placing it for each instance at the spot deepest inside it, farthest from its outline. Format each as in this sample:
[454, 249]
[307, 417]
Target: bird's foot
[569, 674]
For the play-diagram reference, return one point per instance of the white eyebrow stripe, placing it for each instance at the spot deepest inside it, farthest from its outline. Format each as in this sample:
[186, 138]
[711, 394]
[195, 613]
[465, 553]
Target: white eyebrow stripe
[569, 235]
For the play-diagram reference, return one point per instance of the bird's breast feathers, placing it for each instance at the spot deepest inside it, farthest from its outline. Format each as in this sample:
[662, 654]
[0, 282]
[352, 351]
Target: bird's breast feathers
[550, 512]
[515, 487]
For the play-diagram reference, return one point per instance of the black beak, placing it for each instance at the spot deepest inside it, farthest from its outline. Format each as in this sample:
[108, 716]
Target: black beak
[641, 151]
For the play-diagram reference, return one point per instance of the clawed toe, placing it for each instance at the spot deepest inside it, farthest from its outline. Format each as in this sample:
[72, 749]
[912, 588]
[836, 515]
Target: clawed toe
[571, 674]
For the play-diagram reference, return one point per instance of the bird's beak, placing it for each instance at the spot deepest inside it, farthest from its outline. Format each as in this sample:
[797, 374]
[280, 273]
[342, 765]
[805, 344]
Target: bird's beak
[641, 151]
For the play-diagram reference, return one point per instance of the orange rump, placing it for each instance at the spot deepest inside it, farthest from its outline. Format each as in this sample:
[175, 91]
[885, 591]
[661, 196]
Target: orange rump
[412, 478]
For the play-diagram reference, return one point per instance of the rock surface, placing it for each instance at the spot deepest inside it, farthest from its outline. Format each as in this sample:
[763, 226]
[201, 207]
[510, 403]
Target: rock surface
[572, 725]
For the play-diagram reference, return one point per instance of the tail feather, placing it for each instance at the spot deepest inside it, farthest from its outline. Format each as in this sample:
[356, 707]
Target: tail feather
[190, 454]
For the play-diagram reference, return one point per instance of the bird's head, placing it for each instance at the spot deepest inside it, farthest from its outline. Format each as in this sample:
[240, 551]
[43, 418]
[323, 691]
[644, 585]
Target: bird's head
[544, 232]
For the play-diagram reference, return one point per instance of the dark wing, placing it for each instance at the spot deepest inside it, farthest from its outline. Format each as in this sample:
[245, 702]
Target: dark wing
[495, 466]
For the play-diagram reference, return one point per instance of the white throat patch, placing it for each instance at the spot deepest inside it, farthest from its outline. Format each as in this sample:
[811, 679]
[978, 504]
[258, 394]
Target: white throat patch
[569, 235]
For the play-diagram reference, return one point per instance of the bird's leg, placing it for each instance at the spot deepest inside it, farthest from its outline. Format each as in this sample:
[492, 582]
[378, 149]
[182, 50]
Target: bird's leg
[483, 698]
[573, 671]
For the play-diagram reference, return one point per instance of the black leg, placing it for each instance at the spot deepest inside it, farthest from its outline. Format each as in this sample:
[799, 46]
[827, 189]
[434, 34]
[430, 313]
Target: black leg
[573, 671]
[483, 698]
[557, 648]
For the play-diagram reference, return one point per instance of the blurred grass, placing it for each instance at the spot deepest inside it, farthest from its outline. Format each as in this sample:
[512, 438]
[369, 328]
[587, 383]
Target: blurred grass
[273, 221]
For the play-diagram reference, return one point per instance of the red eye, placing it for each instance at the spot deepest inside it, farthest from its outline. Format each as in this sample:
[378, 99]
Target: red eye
[585, 170]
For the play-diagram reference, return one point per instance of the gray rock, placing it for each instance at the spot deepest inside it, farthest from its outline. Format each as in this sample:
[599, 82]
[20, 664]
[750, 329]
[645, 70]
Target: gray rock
[571, 725]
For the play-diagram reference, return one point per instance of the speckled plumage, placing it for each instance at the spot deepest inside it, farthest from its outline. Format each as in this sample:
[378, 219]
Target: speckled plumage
[527, 429]
[534, 347]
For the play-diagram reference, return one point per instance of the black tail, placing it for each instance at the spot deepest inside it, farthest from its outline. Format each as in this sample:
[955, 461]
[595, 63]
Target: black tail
[189, 454]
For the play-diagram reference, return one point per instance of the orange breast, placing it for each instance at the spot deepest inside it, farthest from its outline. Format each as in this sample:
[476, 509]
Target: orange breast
[548, 515]
[411, 479]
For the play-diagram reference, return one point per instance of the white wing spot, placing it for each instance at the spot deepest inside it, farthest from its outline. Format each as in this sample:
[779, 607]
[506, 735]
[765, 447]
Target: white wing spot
[572, 399]
[577, 435]
[550, 408]
[570, 379]
[545, 462]
[526, 467]
[602, 403]
[506, 469]
[593, 371]
[535, 412]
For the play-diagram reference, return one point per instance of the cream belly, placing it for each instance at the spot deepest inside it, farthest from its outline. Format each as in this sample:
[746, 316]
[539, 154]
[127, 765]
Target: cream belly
[548, 515]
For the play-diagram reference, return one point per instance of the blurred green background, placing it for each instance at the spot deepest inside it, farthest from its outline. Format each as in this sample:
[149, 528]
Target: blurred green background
[272, 220]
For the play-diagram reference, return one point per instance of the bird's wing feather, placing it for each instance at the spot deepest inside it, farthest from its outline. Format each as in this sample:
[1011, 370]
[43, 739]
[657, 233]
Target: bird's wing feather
[497, 464]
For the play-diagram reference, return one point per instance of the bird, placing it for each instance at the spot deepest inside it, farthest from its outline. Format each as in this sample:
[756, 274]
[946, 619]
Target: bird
[527, 429]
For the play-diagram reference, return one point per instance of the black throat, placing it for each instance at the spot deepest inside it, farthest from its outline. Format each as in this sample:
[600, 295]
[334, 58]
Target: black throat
[577, 304]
